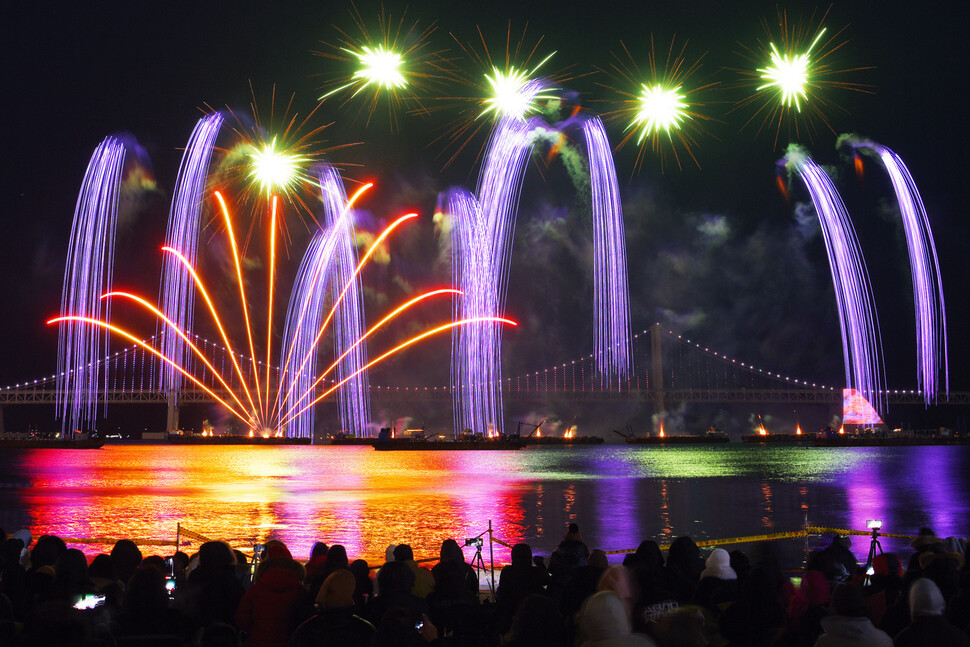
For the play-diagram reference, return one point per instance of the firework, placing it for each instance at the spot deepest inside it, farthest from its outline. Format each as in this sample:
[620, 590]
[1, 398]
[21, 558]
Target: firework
[273, 170]
[272, 152]
[931, 353]
[861, 343]
[612, 344]
[392, 65]
[794, 71]
[88, 273]
[511, 82]
[481, 232]
[661, 106]
[184, 224]
[251, 406]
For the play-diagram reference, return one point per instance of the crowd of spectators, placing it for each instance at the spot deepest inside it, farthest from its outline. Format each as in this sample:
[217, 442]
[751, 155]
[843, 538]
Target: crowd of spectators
[50, 595]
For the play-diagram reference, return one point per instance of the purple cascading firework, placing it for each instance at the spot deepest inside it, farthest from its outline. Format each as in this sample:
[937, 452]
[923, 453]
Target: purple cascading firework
[482, 232]
[475, 370]
[87, 275]
[353, 398]
[303, 318]
[177, 291]
[861, 343]
[481, 244]
[611, 302]
[327, 267]
[931, 354]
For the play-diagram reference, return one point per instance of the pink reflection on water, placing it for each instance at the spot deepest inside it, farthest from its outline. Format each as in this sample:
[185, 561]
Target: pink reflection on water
[353, 496]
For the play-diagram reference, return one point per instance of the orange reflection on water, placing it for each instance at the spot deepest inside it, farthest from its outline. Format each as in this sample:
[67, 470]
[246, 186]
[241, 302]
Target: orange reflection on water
[353, 496]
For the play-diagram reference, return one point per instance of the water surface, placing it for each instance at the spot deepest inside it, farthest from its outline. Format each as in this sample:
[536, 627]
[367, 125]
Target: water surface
[365, 500]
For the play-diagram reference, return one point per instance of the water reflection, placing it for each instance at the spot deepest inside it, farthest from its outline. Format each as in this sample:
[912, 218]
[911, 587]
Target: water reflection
[365, 500]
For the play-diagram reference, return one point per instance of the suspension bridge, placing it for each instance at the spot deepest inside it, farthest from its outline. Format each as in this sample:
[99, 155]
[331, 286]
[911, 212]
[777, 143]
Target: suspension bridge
[668, 369]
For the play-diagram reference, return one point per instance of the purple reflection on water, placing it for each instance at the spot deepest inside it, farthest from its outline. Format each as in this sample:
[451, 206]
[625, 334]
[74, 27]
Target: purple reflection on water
[365, 499]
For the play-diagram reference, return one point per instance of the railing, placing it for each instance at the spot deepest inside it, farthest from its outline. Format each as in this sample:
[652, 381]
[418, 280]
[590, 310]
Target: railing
[28, 395]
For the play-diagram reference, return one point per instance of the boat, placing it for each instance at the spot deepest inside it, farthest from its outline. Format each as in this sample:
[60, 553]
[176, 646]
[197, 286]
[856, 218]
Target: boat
[344, 439]
[885, 438]
[31, 441]
[199, 439]
[771, 439]
[421, 444]
[568, 439]
[712, 435]
[557, 441]
[416, 439]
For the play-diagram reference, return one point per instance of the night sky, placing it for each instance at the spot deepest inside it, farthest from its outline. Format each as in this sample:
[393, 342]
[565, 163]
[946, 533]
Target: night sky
[717, 252]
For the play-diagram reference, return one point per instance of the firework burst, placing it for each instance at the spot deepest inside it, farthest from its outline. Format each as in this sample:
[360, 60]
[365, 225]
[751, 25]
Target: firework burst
[272, 152]
[793, 72]
[393, 65]
[661, 107]
[496, 84]
[252, 402]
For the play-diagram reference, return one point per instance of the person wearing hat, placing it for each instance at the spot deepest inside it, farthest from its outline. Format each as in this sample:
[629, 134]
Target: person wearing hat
[836, 560]
[850, 625]
[719, 583]
[928, 627]
[335, 624]
[926, 541]
[275, 605]
[602, 622]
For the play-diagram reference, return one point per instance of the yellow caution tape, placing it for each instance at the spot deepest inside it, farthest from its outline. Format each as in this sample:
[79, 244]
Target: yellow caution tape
[797, 534]
[842, 531]
[110, 540]
[189, 534]
[809, 530]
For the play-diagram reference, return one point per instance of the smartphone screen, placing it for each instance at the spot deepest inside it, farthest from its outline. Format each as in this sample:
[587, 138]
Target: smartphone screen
[89, 601]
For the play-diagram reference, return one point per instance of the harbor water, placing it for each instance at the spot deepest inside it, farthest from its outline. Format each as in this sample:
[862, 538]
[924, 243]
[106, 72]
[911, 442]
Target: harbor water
[618, 494]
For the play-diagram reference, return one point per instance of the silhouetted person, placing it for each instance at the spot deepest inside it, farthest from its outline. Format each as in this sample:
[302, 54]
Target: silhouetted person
[850, 625]
[335, 623]
[126, 557]
[928, 626]
[517, 580]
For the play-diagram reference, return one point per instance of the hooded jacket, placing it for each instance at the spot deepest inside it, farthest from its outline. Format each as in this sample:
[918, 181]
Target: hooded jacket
[849, 631]
[603, 623]
[273, 607]
[928, 627]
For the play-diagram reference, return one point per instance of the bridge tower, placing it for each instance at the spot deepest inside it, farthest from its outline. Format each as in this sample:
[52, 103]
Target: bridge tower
[172, 423]
[657, 370]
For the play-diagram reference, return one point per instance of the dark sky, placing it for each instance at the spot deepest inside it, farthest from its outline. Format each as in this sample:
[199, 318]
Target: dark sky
[74, 73]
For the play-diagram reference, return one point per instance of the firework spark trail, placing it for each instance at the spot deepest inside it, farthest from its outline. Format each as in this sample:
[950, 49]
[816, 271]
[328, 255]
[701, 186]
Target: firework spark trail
[302, 320]
[353, 401]
[330, 256]
[98, 324]
[931, 346]
[269, 307]
[310, 353]
[200, 287]
[482, 235]
[611, 302]
[861, 343]
[405, 344]
[242, 290]
[482, 238]
[177, 292]
[88, 274]
[308, 391]
[476, 401]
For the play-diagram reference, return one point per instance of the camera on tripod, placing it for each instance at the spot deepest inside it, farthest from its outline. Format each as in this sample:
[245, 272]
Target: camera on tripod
[477, 542]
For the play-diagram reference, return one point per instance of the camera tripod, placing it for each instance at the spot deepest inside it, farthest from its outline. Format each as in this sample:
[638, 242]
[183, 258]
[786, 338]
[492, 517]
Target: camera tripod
[479, 565]
[873, 545]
